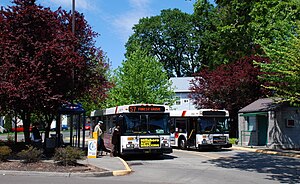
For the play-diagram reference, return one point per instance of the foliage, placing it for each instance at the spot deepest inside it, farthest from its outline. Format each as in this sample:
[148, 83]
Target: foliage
[283, 72]
[245, 24]
[231, 86]
[68, 155]
[30, 155]
[207, 22]
[95, 98]
[234, 33]
[140, 79]
[170, 37]
[5, 151]
[43, 64]
[274, 20]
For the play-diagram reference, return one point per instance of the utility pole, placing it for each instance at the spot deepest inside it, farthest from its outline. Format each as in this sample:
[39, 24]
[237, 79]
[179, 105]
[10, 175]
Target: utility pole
[73, 75]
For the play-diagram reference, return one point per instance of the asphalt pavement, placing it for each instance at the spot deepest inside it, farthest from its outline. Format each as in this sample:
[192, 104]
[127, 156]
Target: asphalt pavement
[116, 166]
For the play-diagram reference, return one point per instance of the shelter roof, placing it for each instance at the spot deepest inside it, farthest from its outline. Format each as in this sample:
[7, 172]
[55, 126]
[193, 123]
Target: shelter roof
[261, 105]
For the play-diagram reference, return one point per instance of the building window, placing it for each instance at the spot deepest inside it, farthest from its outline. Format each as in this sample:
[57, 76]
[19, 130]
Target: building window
[177, 102]
[251, 123]
[290, 123]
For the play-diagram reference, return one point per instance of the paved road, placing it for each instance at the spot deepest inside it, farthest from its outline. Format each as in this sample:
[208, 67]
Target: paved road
[193, 167]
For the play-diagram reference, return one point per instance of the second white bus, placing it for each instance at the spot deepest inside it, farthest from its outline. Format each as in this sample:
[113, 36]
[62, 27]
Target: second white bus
[204, 128]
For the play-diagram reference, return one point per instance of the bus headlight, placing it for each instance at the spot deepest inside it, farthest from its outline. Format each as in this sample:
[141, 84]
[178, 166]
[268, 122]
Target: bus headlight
[129, 146]
[165, 145]
[204, 141]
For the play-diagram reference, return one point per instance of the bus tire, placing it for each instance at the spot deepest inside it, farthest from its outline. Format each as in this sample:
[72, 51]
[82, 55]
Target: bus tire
[182, 143]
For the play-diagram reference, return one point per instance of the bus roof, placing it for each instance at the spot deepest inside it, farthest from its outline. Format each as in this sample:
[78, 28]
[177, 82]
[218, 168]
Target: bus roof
[126, 109]
[199, 112]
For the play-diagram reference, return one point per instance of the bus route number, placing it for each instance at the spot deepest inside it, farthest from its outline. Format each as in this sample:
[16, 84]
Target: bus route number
[146, 109]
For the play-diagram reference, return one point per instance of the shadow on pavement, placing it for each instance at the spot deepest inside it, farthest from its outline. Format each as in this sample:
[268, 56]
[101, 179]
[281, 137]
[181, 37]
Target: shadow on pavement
[148, 157]
[280, 169]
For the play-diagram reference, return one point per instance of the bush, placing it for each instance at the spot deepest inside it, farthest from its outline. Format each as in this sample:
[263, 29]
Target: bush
[4, 152]
[30, 155]
[68, 156]
[233, 141]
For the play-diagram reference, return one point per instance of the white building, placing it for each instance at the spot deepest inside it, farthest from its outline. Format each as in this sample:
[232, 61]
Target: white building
[181, 87]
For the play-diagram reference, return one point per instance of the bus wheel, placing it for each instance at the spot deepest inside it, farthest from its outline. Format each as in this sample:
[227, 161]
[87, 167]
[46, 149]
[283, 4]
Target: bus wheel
[182, 144]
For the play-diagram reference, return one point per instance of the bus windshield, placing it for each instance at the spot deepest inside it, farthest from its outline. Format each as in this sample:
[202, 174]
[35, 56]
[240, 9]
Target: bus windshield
[145, 124]
[213, 125]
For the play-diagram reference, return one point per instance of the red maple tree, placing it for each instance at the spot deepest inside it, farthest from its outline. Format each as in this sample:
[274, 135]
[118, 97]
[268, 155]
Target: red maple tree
[230, 86]
[42, 63]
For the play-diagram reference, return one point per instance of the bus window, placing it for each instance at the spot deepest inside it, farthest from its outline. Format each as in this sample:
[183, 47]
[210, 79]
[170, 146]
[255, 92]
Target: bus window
[158, 124]
[146, 124]
[135, 124]
[181, 125]
[172, 125]
[213, 125]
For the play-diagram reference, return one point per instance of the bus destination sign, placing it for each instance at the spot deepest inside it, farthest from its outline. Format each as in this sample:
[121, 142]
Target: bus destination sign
[146, 108]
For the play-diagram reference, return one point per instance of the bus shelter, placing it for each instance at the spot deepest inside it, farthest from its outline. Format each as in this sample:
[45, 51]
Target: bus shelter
[77, 121]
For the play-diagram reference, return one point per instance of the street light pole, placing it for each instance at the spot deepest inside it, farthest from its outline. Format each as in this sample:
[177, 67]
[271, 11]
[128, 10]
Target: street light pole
[73, 16]
[73, 75]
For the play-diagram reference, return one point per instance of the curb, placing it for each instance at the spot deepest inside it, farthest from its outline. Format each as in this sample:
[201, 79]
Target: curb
[68, 175]
[271, 152]
[128, 170]
[56, 174]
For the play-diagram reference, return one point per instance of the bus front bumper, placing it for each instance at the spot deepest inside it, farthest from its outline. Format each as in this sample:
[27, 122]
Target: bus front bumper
[147, 151]
[211, 146]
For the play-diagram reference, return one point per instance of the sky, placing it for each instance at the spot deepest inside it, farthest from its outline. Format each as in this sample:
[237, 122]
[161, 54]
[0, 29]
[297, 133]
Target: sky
[114, 19]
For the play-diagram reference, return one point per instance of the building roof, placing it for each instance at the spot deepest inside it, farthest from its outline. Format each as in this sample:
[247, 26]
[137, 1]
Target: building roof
[181, 84]
[260, 105]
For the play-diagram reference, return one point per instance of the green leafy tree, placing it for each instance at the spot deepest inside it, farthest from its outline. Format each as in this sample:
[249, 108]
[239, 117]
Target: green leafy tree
[282, 74]
[244, 24]
[206, 33]
[140, 79]
[274, 20]
[234, 33]
[170, 37]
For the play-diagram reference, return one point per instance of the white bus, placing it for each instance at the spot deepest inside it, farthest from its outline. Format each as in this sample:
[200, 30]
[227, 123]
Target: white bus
[144, 128]
[201, 129]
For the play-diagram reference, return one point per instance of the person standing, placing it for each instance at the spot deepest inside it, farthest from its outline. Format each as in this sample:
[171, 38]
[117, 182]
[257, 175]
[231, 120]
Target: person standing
[116, 141]
[100, 137]
[36, 136]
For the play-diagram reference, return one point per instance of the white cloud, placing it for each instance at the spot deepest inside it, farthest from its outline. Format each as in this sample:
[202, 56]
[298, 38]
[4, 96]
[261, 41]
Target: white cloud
[79, 4]
[124, 22]
[139, 4]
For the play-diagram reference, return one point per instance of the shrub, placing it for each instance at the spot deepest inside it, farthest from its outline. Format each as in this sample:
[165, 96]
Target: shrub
[30, 155]
[68, 155]
[233, 141]
[4, 152]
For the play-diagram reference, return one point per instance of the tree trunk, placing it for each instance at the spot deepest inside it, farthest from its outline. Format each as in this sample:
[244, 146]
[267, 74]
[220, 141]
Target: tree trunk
[26, 124]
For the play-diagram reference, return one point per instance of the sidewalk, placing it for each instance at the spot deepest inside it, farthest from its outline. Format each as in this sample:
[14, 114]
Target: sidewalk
[263, 149]
[115, 166]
